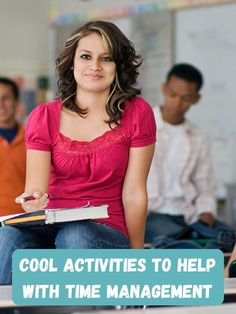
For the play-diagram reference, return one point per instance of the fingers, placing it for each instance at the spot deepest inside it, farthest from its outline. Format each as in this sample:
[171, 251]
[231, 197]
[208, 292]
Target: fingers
[32, 201]
[20, 199]
[27, 196]
[36, 204]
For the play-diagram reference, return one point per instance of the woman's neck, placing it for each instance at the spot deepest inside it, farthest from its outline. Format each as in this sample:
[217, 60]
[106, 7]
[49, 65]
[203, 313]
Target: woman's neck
[92, 102]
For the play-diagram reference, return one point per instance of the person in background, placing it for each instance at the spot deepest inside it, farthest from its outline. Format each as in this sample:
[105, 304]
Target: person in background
[92, 146]
[12, 149]
[181, 188]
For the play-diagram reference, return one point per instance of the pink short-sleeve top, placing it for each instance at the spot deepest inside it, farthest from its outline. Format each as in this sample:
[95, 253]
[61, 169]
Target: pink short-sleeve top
[92, 172]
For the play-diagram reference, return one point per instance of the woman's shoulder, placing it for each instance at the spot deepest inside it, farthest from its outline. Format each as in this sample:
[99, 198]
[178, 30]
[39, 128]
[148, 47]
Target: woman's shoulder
[48, 107]
[139, 122]
[43, 124]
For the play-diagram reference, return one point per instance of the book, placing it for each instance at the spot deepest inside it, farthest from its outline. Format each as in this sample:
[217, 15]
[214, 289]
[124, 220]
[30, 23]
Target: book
[52, 216]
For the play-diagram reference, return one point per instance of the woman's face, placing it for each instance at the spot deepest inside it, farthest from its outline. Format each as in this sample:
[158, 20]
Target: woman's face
[94, 69]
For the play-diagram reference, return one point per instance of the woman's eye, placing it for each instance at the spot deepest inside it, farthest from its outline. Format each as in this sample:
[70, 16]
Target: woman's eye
[107, 59]
[87, 57]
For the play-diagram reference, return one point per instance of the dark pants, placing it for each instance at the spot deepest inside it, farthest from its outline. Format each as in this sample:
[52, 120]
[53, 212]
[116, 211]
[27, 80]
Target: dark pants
[169, 231]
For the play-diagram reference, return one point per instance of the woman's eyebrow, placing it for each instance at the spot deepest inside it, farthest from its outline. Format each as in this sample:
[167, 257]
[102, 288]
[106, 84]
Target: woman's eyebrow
[85, 50]
[88, 51]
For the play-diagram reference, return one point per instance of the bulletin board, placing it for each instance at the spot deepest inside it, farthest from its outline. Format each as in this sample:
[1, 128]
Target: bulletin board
[152, 35]
[206, 38]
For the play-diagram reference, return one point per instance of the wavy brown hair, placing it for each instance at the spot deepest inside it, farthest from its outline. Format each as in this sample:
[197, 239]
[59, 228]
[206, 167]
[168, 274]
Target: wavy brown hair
[122, 53]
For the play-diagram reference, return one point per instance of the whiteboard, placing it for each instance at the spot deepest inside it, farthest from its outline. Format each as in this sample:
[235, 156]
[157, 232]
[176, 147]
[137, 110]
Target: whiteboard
[206, 38]
[152, 35]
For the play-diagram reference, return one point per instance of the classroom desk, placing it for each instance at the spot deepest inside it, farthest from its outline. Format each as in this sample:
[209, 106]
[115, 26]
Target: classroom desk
[228, 308]
[5, 296]
[230, 286]
[9, 307]
[230, 290]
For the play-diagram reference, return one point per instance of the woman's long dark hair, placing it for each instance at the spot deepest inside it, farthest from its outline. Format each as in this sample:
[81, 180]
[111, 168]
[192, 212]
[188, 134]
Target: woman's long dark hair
[122, 53]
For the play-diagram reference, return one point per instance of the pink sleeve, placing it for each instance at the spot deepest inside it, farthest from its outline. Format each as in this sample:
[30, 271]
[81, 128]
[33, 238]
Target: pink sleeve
[37, 133]
[143, 126]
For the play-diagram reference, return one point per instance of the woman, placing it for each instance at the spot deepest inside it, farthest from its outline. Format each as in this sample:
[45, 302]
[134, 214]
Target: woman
[92, 146]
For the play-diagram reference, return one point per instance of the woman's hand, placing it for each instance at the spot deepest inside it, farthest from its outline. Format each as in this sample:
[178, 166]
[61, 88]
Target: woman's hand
[32, 201]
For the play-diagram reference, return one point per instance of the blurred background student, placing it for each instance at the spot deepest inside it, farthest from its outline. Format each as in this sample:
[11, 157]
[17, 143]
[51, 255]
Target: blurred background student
[181, 184]
[12, 148]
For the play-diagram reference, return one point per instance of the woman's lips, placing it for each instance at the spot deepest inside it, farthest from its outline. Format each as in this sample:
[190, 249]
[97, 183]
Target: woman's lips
[94, 76]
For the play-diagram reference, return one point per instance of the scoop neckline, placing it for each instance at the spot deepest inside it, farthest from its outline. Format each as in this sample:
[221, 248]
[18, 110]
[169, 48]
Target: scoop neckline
[87, 142]
[80, 141]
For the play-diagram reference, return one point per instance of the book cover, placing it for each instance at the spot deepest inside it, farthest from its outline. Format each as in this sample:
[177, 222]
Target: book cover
[51, 216]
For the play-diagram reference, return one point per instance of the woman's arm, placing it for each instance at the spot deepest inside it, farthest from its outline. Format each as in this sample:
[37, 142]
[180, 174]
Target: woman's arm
[134, 193]
[37, 179]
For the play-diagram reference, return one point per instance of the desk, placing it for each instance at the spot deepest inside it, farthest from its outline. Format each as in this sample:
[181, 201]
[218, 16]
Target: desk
[230, 290]
[226, 308]
[230, 286]
[5, 297]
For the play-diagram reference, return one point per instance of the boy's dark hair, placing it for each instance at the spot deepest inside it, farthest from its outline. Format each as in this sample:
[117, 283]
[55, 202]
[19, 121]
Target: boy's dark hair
[12, 84]
[186, 72]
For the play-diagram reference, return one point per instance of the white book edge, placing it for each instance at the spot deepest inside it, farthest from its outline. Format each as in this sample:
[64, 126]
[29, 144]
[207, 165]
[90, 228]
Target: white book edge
[3, 218]
[67, 214]
[74, 214]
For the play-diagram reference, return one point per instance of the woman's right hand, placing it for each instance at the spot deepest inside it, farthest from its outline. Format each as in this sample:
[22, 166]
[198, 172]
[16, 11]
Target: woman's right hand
[38, 200]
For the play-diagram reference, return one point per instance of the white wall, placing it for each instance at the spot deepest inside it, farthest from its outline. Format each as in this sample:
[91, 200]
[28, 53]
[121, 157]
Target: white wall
[211, 46]
[24, 28]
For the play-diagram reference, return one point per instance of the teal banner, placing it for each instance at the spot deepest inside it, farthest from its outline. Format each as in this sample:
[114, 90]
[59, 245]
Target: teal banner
[118, 277]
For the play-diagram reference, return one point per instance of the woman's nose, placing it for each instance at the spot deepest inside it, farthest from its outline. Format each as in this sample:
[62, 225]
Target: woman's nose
[95, 65]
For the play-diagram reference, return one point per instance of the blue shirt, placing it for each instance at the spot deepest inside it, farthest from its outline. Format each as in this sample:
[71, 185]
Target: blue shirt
[9, 134]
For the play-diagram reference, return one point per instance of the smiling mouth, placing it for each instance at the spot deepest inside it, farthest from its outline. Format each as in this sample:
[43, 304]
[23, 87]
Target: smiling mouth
[94, 77]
